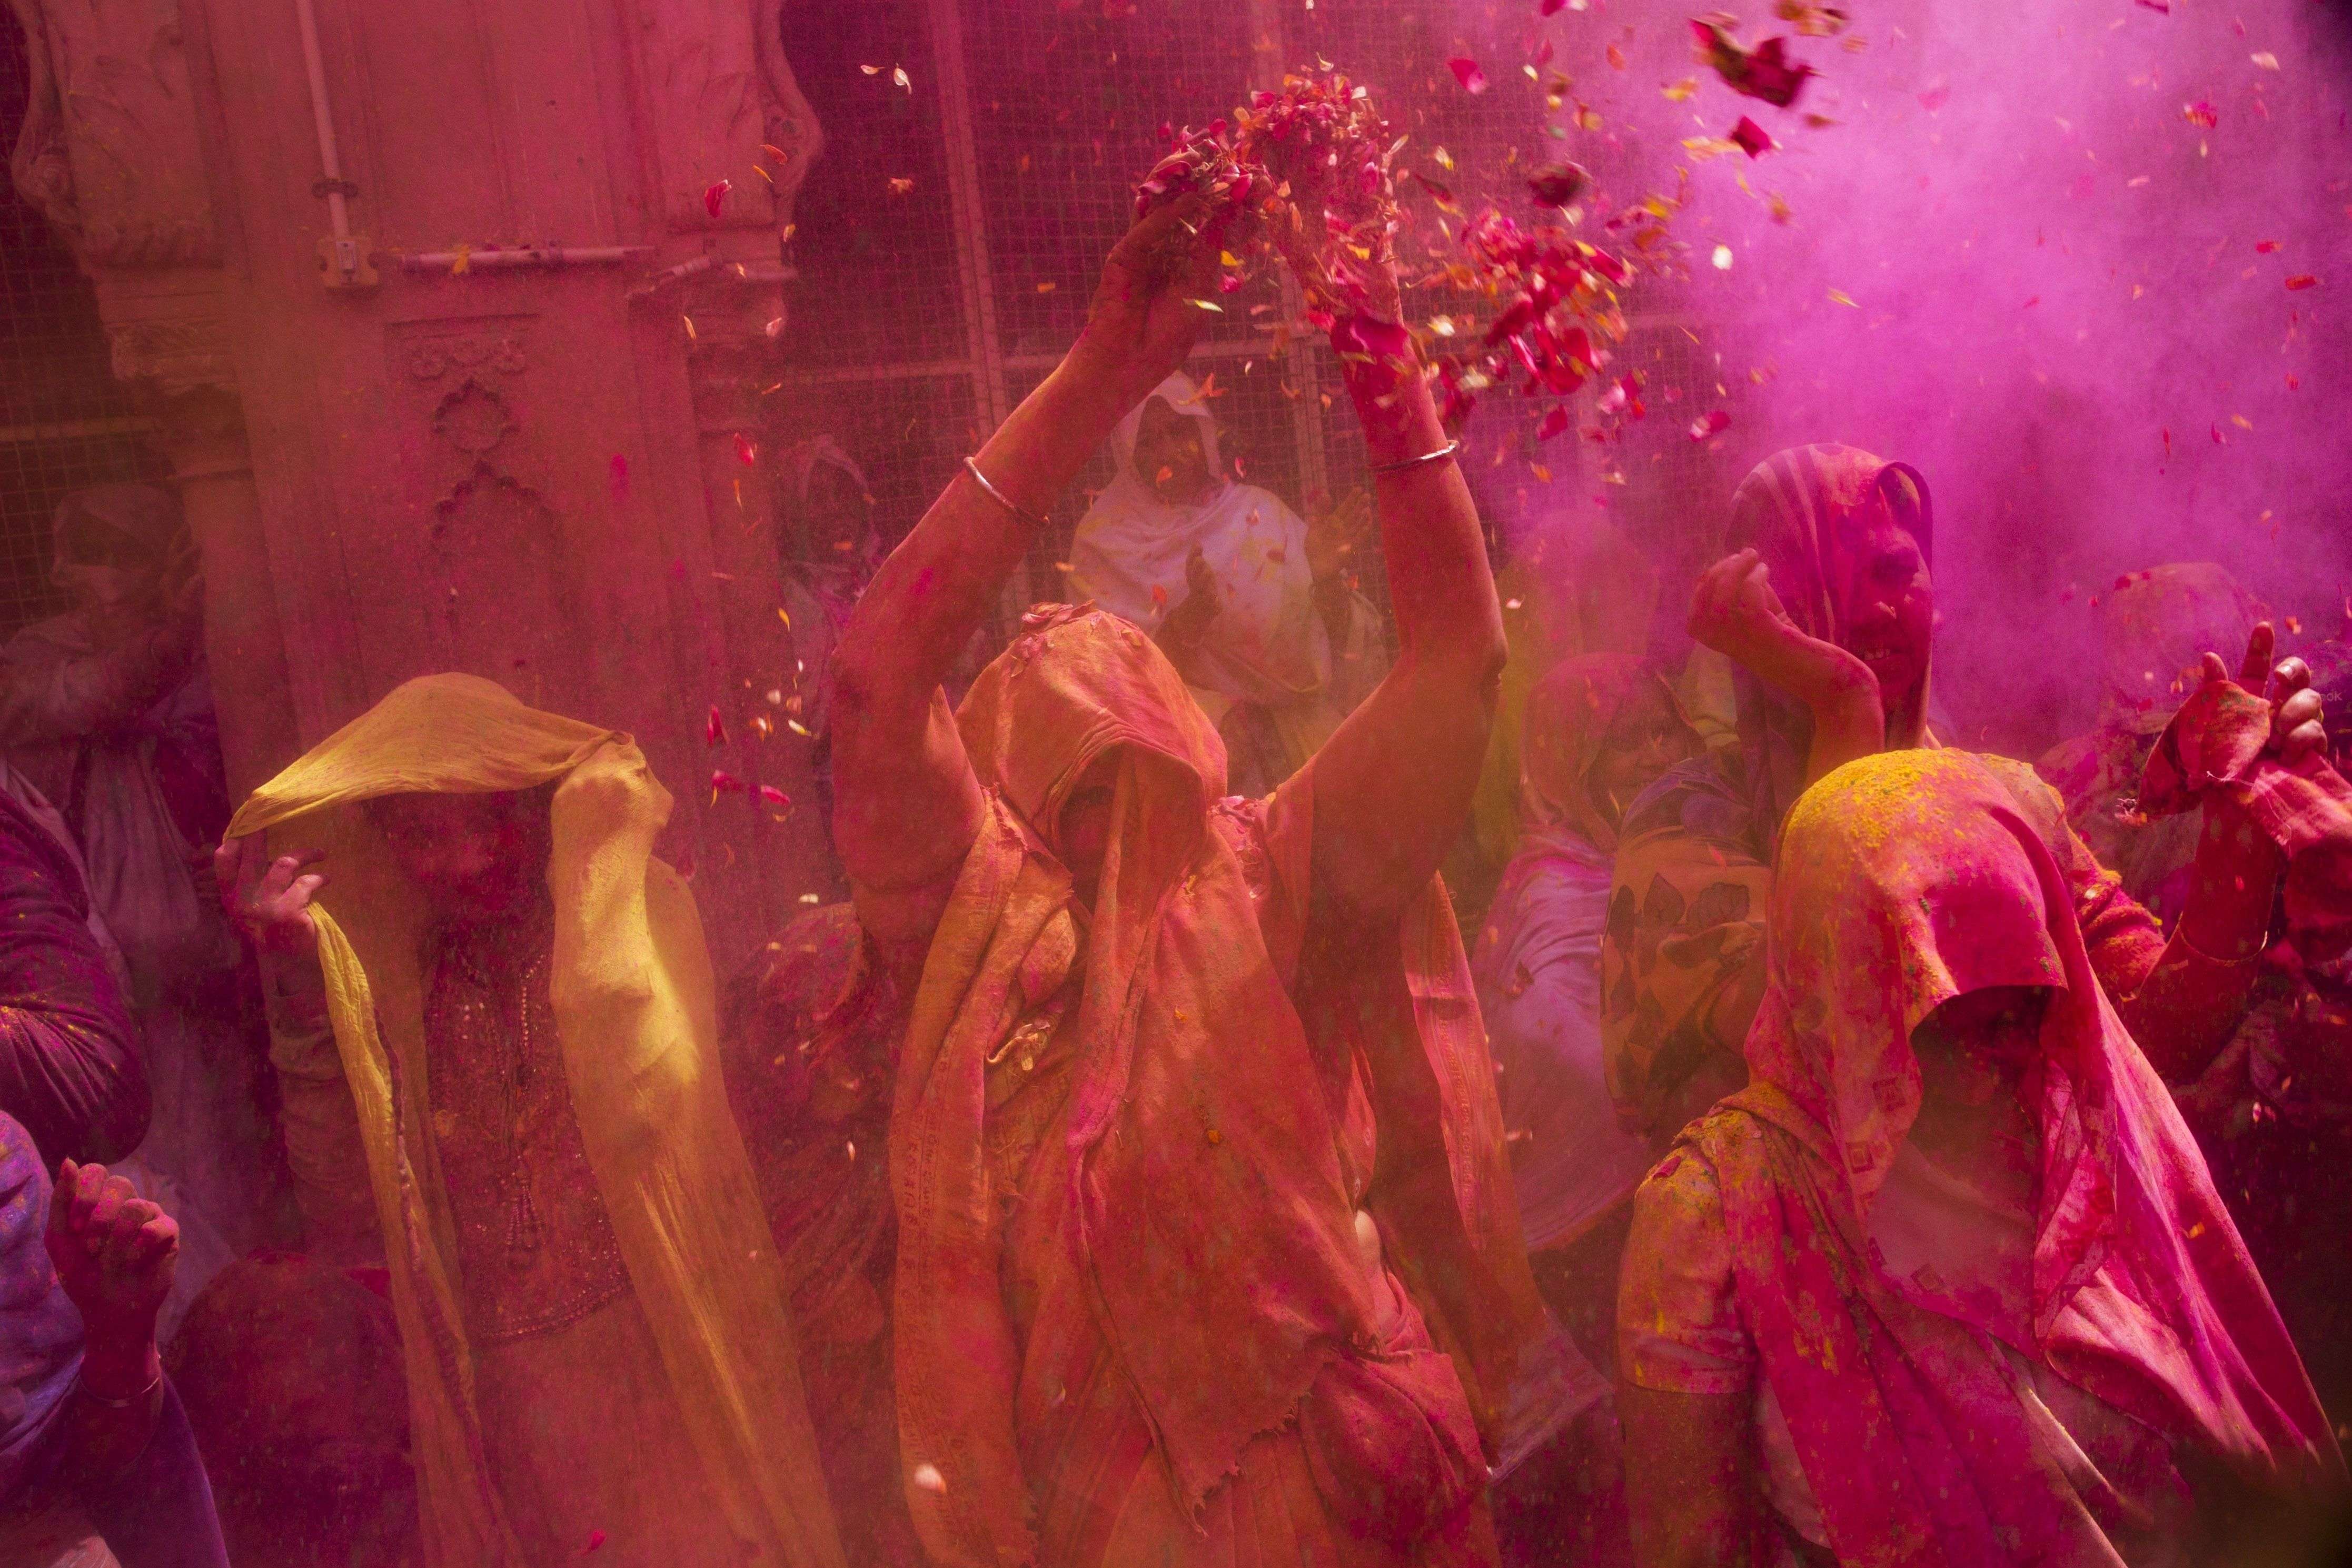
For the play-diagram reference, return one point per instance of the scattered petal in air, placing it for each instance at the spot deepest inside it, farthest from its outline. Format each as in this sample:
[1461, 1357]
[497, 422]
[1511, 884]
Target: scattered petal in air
[714, 728]
[715, 197]
[595, 1539]
[1465, 72]
[1812, 21]
[898, 75]
[899, 187]
[1553, 424]
[1714, 423]
[2201, 113]
[2164, 5]
[1763, 72]
[1678, 91]
[2302, 280]
[724, 783]
[774, 796]
[871, 70]
[1557, 185]
[1839, 297]
[1751, 138]
[1936, 94]
[1722, 259]
[2264, 246]
[747, 451]
[927, 1478]
[2265, 60]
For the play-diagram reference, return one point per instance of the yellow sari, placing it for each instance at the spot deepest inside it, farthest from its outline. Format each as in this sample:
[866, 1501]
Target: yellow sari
[633, 1003]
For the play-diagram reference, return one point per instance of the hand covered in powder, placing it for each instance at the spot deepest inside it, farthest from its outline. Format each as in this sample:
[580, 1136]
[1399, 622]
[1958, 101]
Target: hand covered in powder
[269, 902]
[2298, 718]
[115, 1252]
[1158, 287]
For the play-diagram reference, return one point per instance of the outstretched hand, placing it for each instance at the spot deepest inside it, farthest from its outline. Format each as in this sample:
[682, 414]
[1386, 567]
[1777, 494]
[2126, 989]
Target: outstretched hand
[1158, 289]
[115, 1252]
[269, 902]
[2298, 719]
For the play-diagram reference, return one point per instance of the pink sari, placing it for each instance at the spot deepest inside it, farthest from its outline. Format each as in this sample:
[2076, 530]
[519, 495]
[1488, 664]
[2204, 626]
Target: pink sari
[1905, 879]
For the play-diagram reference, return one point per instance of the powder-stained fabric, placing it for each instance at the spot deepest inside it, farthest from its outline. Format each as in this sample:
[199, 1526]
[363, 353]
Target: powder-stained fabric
[1925, 1410]
[1142, 1154]
[706, 1325]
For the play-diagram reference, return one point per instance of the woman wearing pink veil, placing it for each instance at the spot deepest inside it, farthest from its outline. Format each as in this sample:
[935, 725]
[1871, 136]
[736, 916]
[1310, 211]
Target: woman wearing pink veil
[1947, 1283]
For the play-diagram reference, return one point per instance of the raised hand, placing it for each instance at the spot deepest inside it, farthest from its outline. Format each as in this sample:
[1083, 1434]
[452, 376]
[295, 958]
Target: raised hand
[1735, 611]
[114, 1251]
[270, 900]
[2298, 718]
[1189, 622]
[1158, 289]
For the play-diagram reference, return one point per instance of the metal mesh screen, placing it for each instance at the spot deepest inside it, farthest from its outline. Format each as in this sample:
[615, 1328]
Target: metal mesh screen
[922, 317]
[65, 422]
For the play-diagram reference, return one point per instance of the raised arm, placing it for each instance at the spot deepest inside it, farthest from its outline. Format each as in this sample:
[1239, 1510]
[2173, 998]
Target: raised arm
[1392, 786]
[1736, 611]
[907, 804]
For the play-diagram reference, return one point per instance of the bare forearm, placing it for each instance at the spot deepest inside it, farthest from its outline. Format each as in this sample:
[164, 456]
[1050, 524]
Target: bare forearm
[2192, 1001]
[121, 1395]
[1439, 583]
[1687, 1477]
[940, 584]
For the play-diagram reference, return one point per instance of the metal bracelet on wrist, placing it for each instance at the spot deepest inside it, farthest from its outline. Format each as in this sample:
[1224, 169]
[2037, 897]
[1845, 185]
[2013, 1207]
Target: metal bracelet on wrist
[1439, 456]
[95, 1397]
[1001, 499]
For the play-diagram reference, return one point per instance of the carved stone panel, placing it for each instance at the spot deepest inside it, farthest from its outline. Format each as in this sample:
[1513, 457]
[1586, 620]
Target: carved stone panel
[109, 151]
[718, 90]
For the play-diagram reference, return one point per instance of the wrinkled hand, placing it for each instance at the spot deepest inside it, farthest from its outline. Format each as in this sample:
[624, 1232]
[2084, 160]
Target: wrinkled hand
[1148, 310]
[1335, 534]
[115, 1252]
[1735, 611]
[269, 902]
[2298, 719]
[1189, 622]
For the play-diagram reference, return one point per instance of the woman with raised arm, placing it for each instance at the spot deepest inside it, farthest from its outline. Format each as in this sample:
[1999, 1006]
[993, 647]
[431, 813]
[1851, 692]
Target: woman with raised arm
[1206, 1252]
[1826, 608]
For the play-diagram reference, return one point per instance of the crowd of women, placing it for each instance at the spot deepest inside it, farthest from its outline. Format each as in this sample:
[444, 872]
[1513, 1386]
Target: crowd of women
[1829, 1145]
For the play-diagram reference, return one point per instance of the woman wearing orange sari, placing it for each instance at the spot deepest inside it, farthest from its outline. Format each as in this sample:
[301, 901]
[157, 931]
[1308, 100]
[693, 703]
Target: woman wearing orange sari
[1947, 1283]
[1206, 1254]
[1827, 608]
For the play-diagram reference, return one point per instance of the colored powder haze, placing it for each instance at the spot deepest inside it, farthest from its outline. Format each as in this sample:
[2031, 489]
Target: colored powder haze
[2053, 266]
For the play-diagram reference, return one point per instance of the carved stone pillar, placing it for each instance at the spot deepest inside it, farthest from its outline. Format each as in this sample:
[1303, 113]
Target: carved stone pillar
[515, 458]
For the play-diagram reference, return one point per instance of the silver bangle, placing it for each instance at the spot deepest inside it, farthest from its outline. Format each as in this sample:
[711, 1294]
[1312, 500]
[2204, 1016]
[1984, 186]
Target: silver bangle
[1437, 456]
[139, 1398]
[999, 498]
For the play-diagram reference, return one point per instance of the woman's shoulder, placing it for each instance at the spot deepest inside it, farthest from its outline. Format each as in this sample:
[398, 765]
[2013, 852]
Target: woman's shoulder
[1705, 796]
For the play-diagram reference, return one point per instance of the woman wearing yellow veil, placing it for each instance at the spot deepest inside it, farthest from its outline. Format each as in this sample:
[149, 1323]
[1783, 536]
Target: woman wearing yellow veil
[493, 1021]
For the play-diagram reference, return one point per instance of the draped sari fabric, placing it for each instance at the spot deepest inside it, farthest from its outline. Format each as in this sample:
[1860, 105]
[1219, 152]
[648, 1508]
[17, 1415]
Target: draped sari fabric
[43, 1330]
[1539, 959]
[1174, 1342]
[1694, 853]
[634, 1012]
[1908, 878]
